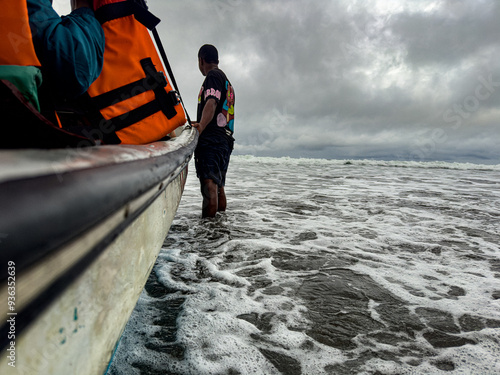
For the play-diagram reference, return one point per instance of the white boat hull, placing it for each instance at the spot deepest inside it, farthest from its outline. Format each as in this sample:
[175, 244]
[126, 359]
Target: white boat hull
[79, 330]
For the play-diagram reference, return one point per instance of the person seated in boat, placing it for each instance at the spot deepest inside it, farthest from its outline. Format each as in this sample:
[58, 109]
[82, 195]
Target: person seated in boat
[70, 49]
[54, 58]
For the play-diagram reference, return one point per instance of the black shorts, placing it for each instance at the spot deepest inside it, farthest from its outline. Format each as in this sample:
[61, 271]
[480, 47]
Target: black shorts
[211, 161]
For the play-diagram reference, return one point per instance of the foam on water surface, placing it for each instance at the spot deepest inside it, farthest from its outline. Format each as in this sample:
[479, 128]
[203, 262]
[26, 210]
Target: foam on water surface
[327, 267]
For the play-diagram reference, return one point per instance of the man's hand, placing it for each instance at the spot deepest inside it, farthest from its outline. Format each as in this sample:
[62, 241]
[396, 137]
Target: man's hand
[197, 126]
[75, 4]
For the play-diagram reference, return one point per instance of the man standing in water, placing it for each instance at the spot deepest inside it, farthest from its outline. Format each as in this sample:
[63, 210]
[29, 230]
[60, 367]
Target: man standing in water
[215, 122]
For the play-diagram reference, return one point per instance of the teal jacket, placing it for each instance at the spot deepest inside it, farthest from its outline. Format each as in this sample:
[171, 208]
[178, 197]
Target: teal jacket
[70, 48]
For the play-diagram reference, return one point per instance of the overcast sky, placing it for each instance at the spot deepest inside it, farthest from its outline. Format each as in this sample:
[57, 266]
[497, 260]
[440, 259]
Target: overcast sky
[391, 79]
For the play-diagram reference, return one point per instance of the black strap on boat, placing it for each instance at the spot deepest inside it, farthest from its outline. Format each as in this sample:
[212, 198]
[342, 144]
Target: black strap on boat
[127, 8]
[163, 55]
[130, 118]
[157, 80]
[169, 69]
[121, 93]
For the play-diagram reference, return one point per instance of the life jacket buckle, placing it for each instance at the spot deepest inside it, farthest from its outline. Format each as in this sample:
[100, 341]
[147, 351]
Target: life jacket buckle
[174, 96]
[161, 79]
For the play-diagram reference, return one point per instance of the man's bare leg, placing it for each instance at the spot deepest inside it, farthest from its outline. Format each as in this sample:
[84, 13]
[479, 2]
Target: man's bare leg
[209, 191]
[222, 203]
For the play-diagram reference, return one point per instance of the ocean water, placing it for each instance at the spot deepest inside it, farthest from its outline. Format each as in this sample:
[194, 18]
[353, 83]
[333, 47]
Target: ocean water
[327, 267]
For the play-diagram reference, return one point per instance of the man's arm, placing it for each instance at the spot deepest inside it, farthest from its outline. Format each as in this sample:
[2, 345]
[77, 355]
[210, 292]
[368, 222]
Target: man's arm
[75, 4]
[70, 48]
[207, 115]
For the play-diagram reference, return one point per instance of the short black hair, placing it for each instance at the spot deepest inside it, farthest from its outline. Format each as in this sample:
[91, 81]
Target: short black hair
[209, 54]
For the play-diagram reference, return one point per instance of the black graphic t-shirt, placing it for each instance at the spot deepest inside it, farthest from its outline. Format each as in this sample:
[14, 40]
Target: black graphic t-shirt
[218, 87]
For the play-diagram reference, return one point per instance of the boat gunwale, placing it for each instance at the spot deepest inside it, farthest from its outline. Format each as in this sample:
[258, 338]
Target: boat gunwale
[33, 163]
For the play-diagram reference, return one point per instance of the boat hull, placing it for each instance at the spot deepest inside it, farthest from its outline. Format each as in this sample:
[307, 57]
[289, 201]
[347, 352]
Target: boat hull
[92, 282]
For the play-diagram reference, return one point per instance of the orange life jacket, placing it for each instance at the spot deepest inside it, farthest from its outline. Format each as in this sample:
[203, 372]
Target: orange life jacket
[16, 44]
[136, 104]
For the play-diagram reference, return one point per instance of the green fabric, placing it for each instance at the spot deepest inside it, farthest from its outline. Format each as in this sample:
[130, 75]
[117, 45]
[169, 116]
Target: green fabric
[26, 78]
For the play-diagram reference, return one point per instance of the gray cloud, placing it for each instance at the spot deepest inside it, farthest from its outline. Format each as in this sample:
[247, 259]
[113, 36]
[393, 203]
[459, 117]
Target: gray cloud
[463, 30]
